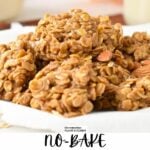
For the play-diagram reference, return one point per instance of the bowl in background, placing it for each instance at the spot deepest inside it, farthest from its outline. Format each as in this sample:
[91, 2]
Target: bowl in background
[9, 9]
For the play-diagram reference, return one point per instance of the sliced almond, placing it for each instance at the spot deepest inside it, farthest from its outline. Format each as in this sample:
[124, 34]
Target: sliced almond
[145, 62]
[142, 71]
[105, 56]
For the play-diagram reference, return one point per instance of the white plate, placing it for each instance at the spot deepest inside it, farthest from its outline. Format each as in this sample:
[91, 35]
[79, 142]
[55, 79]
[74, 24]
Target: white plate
[137, 121]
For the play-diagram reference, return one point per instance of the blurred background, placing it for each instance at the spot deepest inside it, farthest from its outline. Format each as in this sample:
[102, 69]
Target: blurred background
[28, 12]
[36, 8]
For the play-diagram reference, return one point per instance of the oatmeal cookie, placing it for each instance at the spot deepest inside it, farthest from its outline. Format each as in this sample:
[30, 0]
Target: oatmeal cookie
[133, 94]
[74, 32]
[69, 87]
[16, 69]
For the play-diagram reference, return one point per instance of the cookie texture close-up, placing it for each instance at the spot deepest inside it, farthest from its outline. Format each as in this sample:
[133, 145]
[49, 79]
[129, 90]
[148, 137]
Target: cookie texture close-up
[74, 64]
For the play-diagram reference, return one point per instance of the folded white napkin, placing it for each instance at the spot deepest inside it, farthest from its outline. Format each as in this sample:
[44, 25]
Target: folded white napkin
[9, 35]
[137, 121]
